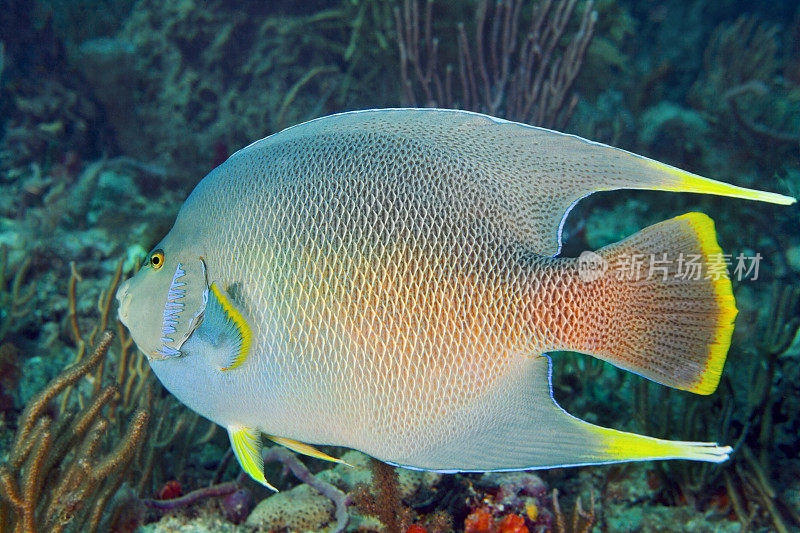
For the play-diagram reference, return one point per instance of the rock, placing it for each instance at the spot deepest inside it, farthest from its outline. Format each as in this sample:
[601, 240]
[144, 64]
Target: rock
[346, 478]
[206, 523]
[297, 510]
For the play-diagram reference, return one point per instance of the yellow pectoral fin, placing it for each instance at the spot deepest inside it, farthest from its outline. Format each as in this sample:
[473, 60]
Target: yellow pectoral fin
[306, 449]
[246, 444]
[222, 316]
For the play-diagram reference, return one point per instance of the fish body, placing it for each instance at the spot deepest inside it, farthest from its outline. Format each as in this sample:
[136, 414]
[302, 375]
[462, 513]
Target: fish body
[385, 280]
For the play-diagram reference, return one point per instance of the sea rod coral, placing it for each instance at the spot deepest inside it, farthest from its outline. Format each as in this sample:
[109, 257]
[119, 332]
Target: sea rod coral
[525, 75]
[57, 476]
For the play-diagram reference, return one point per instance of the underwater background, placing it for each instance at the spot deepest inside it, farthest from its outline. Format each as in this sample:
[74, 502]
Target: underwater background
[111, 112]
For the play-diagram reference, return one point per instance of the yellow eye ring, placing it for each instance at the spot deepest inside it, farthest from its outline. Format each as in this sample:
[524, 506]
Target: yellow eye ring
[157, 259]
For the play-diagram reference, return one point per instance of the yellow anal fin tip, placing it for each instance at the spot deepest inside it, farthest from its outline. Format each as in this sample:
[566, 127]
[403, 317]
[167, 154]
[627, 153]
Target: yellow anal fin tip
[622, 446]
[306, 449]
[246, 444]
[221, 313]
[693, 183]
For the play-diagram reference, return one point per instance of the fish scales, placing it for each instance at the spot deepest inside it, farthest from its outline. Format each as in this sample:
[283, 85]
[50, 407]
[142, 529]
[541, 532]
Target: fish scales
[379, 290]
[385, 280]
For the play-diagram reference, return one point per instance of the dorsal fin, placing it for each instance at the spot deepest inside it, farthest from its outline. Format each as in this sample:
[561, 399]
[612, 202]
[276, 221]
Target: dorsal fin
[527, 178]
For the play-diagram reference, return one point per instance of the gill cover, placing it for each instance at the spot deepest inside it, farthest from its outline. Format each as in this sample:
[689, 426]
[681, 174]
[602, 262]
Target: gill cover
[184, 305]
[224, 331]
[162, 307]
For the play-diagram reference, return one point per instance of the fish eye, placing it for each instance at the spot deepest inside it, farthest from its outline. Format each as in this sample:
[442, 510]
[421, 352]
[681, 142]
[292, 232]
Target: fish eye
[157, 259]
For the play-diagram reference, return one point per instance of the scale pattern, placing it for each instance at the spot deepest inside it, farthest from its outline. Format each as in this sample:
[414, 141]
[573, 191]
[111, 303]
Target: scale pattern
[371, 279]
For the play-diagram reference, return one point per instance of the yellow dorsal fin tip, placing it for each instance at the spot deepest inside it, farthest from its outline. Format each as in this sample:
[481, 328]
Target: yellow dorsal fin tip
[693, 183]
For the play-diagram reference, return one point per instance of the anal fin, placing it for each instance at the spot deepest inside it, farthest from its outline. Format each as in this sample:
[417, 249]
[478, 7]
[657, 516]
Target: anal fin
[306, 449]
[246, 444]
[519, 426]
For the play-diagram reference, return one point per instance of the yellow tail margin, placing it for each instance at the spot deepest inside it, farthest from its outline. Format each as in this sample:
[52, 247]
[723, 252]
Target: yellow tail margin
[720, 341]
[670, 326]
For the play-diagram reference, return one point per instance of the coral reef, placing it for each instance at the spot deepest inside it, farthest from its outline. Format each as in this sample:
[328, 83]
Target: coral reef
[739, 92]
[15, 295]
[755, 417]
[64, 453]
[372, 496]
[9, 374]
[509, 503]
[181, 85]
[80, 444]
[298, 509]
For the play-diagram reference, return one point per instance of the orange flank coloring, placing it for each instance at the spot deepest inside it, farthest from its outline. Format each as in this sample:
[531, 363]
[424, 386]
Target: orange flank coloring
[408, 317]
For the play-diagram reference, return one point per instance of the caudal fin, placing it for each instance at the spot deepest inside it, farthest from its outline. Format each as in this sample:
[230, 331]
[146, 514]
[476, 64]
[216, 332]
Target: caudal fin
[663, 306]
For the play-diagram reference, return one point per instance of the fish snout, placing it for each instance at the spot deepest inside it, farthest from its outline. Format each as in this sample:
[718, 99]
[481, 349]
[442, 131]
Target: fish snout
[124, 300]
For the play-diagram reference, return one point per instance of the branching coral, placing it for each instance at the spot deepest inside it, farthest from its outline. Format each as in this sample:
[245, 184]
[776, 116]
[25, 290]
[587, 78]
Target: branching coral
[749, 480]
[583, 520]
[80, 438]
[14, 294]
[58, 475]
[381, 499]
[521, 75]
[15, 299]
[175, 435]
[176, 428]
[739, 92]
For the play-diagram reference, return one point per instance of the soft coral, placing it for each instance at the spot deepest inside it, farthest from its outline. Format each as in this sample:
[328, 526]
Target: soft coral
[482, 521]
